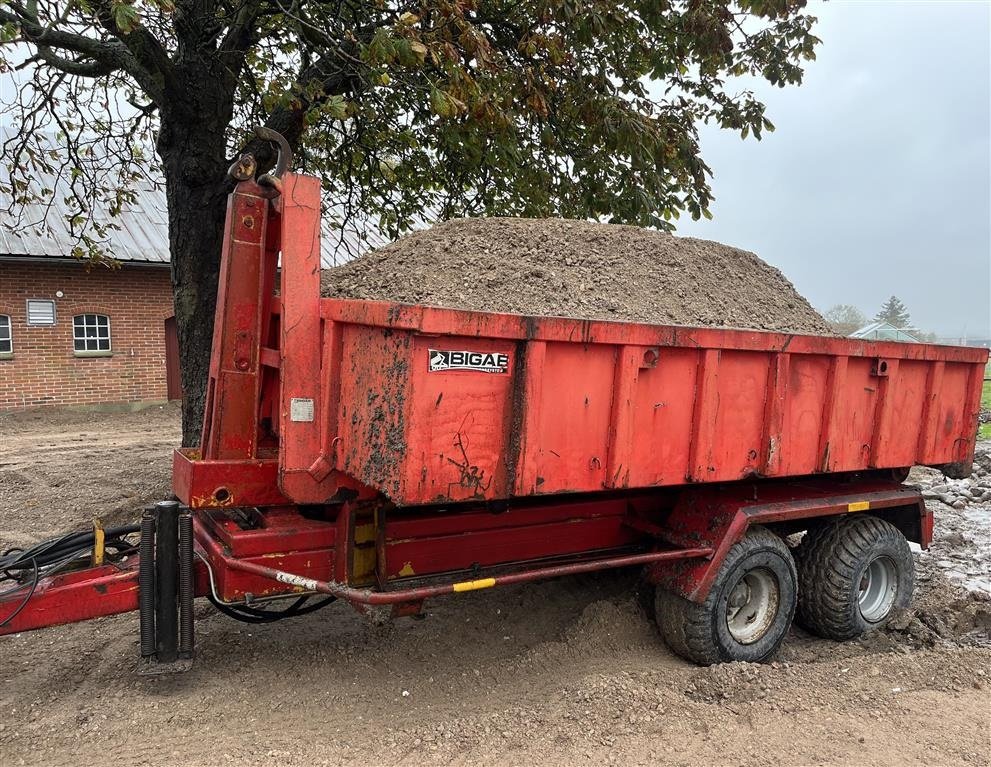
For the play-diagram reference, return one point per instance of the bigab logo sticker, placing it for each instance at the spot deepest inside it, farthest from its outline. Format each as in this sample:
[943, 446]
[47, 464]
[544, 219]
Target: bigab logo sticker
[480, 362]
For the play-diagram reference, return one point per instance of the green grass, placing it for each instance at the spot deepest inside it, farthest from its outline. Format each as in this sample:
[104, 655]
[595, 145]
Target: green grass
[984, 432]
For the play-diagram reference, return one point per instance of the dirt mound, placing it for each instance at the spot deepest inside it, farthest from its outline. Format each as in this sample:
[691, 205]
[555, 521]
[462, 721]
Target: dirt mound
[578, 269]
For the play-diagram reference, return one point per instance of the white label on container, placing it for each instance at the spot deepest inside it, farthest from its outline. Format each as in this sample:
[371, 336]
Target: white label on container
[301, 410]
[458, 359]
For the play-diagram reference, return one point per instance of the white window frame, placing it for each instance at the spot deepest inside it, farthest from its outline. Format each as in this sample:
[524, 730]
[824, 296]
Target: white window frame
[27, 307]
[6, 319]
[86, 338]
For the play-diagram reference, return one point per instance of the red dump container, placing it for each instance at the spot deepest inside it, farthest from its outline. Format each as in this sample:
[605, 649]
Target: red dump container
[428, 405]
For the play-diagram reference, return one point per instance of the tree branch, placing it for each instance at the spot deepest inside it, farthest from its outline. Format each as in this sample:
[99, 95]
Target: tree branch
[111, 54]
[290, 120]
[242, 31]
[147, 51]
[81, 68]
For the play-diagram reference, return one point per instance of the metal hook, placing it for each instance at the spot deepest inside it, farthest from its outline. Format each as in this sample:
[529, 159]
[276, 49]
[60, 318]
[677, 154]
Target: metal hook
[283, 159]
[246, 165]
[244, 168]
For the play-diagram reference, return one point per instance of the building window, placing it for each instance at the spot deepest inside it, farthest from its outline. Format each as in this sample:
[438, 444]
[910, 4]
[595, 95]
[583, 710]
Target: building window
[90, 333]
[6, 339]
[41, 312]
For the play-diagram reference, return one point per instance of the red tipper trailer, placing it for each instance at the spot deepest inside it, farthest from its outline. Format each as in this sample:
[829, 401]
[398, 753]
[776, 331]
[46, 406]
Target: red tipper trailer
[384, 453]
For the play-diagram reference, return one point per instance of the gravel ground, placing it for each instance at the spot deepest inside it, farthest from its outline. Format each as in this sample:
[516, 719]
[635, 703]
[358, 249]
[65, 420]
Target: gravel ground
[578, 269]
[559, 673]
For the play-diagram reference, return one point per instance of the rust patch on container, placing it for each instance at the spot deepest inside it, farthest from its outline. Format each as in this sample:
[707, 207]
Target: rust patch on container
[380, 421]
[472, 477]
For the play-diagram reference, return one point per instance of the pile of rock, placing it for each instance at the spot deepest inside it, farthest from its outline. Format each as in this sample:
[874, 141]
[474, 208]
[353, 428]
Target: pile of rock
[960, 493]
[558, 267]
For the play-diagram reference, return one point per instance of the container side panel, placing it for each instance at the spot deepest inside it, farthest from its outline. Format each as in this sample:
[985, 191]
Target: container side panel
[524, 444]
[907, 400]
[850, 436]
[459, 418]
[951, 419]
[375, 392]
[804, 402]
[574, 417]
[741, 394]
[664, 397]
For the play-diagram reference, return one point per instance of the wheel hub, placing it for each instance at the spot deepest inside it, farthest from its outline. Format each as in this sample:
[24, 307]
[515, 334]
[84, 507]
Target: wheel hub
[752, 605]
[878, 589]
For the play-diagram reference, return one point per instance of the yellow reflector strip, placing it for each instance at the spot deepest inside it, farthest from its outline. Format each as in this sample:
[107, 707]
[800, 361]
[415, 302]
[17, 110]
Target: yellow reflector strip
[485, 583]
[99, 539]
[858, 506]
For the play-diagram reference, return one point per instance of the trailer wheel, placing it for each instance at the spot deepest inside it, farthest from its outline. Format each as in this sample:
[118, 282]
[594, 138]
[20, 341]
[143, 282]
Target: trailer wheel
[852, 574]
[747, 613]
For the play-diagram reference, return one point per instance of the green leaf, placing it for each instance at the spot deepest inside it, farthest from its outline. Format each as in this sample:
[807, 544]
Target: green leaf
[336, 107]
[440, 103]
[419, 50]
[126, 17]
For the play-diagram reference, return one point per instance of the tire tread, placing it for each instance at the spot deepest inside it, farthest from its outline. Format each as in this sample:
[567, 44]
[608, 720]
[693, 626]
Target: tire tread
[828, 560]
[686, 626]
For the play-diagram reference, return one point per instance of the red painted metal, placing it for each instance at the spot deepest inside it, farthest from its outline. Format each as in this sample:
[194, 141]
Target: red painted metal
[71, 597]
[226, 483]
[700, 405]
[337, 457]
[352, 404]
[235, 584]
[418, 594]
[79, 595]
[719, 516]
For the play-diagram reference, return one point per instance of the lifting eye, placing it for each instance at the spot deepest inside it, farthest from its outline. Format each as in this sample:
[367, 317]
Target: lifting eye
[221, 495]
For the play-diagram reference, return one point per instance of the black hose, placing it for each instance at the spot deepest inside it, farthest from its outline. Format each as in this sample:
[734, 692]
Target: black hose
[27, 597]
[247, 614]
[46, 558]
[55, 549]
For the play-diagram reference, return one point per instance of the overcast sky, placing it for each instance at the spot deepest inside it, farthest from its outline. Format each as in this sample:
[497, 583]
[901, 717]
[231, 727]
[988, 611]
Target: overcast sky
[877, 180]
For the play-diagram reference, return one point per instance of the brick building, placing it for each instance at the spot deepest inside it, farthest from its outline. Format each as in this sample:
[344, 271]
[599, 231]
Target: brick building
[74, 335]
[71, 336]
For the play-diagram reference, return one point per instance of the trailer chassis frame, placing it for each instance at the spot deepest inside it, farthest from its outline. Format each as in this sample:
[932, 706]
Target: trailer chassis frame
[679, 540]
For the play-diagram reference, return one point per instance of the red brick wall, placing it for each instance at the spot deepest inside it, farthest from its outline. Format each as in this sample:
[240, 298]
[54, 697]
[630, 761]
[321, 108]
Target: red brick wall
[44, 369]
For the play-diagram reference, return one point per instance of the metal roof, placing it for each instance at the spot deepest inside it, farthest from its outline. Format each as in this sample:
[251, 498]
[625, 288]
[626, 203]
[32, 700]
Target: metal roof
[41, 230]
[883, 331]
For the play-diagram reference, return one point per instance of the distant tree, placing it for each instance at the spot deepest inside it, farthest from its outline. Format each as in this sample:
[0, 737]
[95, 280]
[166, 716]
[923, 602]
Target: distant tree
[894, 313]
[845, 318]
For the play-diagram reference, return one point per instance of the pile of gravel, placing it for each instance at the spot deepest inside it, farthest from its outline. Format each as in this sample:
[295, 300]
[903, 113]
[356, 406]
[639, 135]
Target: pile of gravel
[580, 269]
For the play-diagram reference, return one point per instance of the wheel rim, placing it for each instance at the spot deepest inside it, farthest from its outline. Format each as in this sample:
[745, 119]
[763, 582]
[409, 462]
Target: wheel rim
[878, 587]
[752, 605]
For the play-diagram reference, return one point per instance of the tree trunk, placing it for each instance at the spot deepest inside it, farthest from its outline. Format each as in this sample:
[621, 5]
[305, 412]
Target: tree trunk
[195, 167]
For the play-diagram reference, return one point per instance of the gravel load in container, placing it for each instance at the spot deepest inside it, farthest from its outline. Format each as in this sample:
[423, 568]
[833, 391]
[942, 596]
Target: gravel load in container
[580, 269]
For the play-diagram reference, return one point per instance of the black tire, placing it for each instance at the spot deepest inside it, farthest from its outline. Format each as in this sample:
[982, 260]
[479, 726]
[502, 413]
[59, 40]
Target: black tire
[701, 632]
[838, 561]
